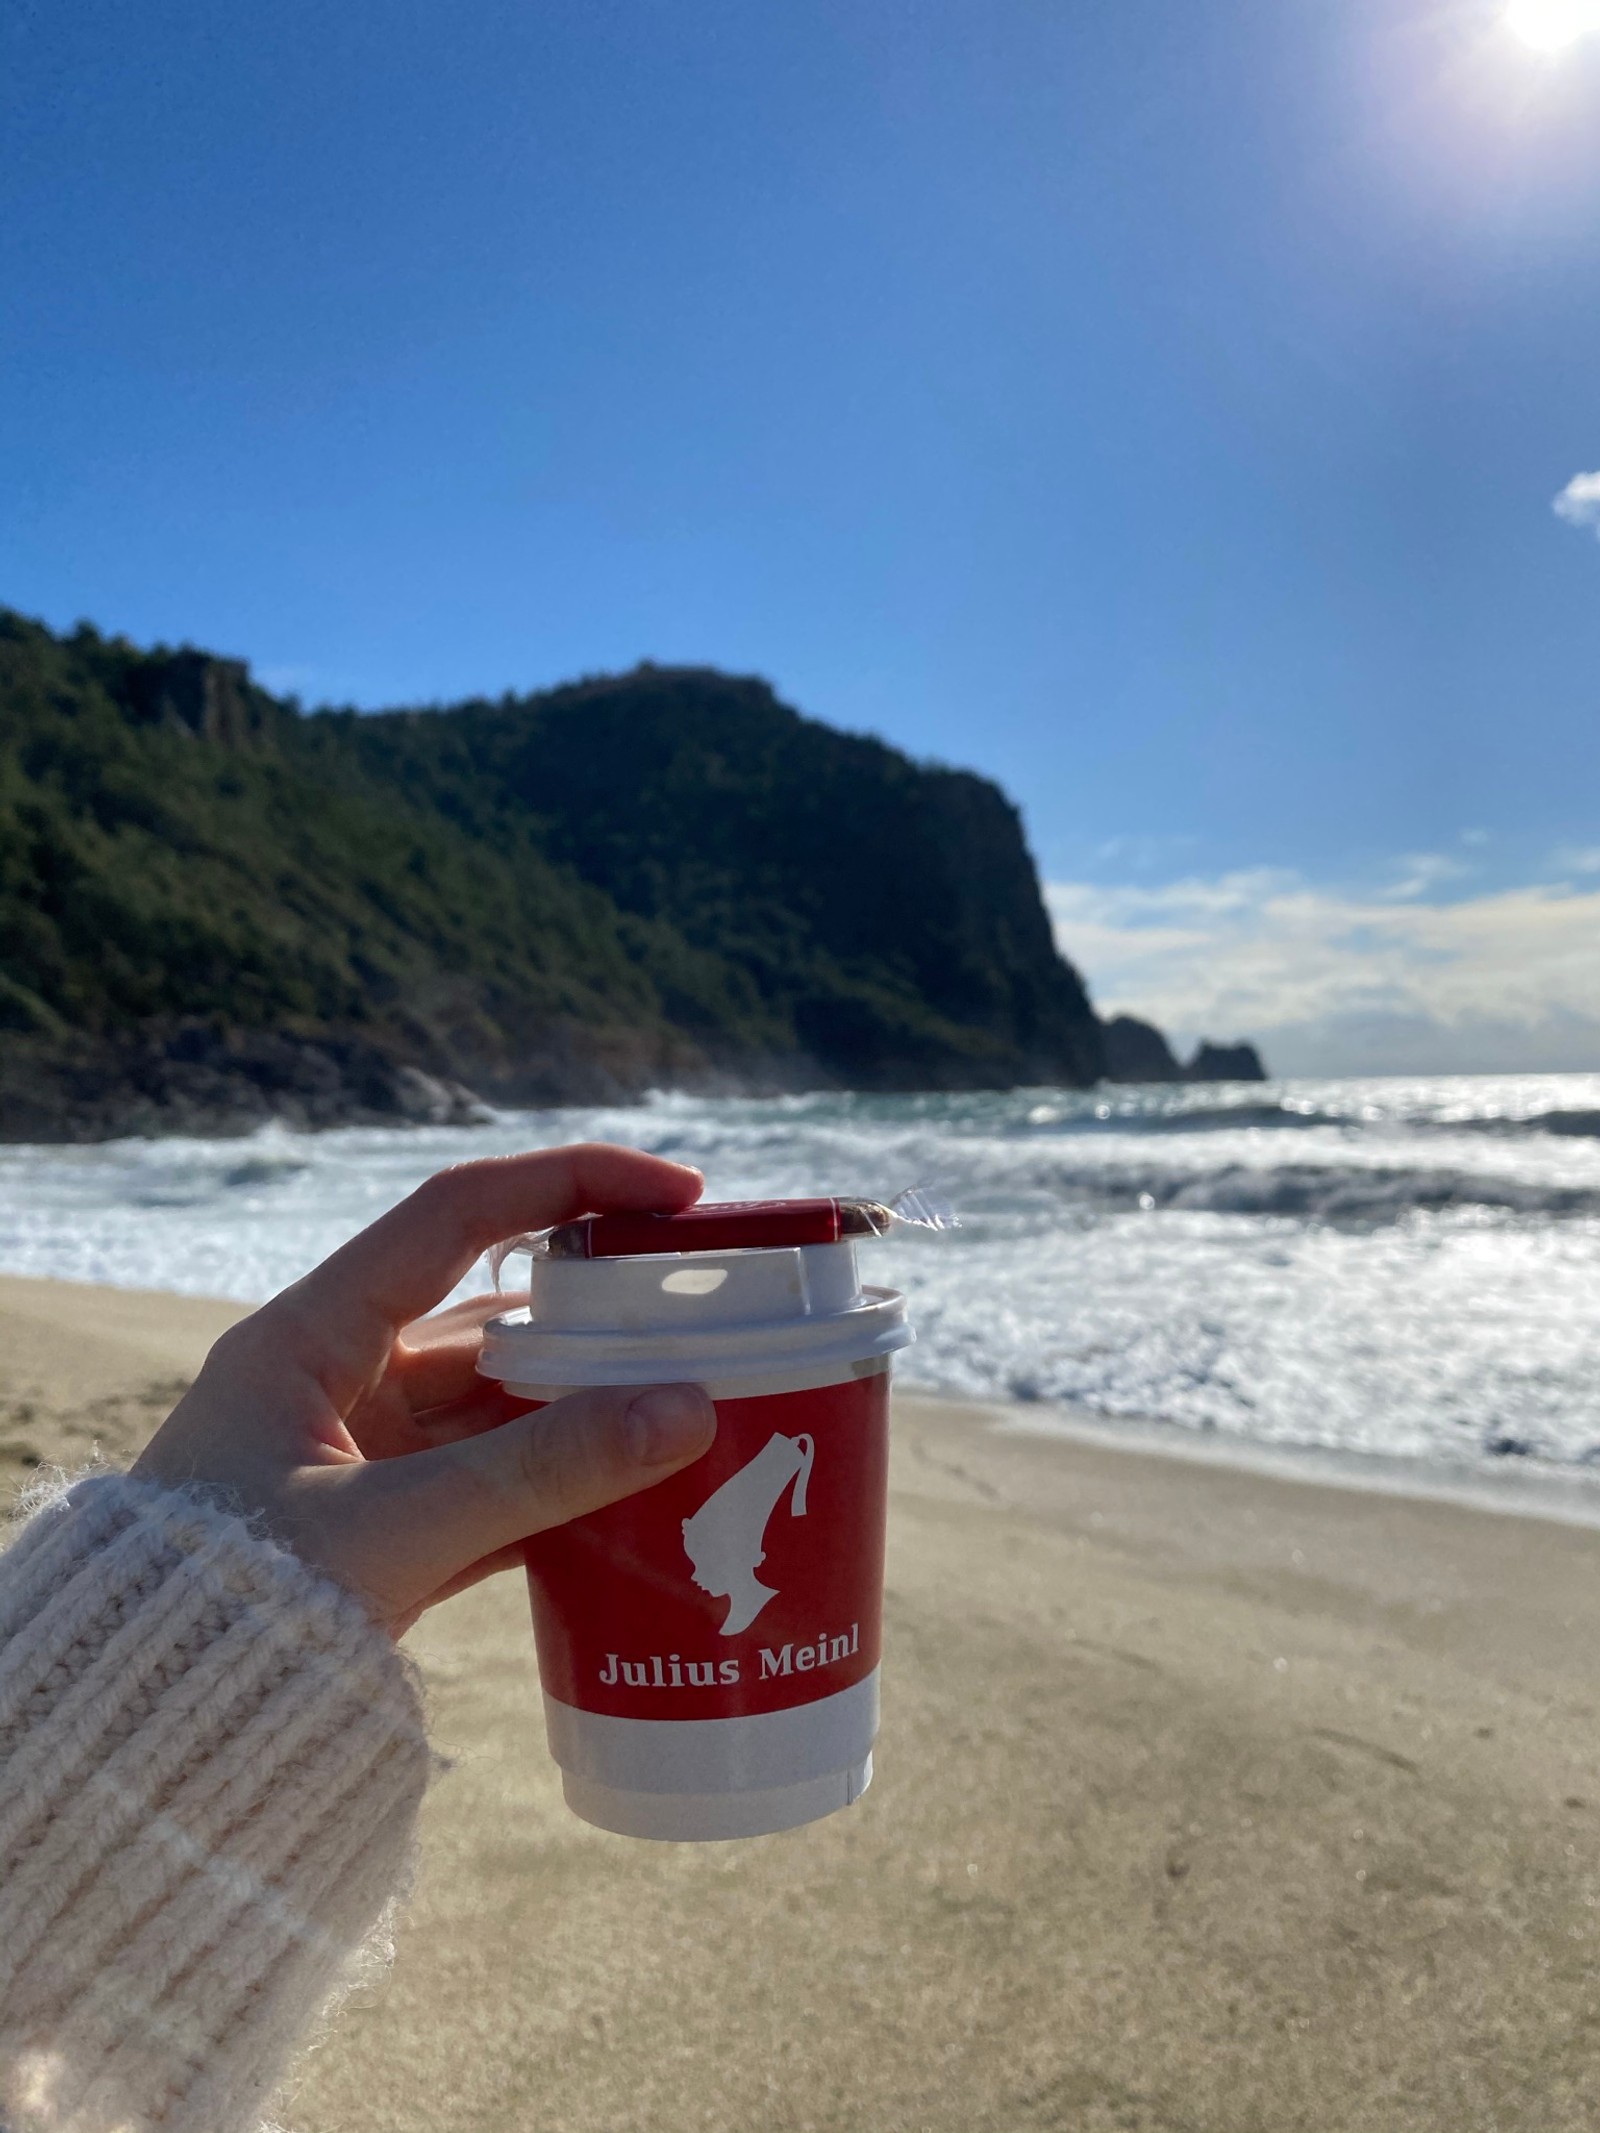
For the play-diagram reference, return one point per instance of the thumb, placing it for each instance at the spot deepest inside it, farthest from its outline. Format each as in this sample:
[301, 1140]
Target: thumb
[574, 1456]
[410, 1525]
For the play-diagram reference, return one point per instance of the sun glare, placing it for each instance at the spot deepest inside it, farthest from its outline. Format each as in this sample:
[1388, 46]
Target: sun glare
[1551, 25]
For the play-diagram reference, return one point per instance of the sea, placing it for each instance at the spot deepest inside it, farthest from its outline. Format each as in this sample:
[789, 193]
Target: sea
[1386, 1279]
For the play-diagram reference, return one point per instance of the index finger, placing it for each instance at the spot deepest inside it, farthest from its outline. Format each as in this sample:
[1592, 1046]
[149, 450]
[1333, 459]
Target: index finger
[399, 1267]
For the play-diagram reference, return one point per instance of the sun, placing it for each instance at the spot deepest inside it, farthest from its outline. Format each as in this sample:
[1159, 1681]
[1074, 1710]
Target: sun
[1552, 25]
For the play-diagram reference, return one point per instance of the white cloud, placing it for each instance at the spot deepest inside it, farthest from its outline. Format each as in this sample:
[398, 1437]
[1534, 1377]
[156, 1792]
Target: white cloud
[1341, 981]
[1420, 872]
[1579, 502]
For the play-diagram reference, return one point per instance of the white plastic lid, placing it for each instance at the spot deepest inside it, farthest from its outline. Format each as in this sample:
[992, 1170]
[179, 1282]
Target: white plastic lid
[694, 1317]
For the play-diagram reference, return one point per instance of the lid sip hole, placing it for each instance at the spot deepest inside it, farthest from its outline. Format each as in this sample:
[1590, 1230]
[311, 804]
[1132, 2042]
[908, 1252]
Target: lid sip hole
[694, 1280]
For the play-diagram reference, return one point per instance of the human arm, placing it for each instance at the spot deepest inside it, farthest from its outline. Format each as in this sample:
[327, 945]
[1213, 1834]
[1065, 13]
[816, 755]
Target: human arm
[211, 1756]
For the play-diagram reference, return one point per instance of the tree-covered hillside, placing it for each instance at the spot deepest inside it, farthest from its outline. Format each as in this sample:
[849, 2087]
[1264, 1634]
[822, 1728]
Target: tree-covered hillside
[213, 907]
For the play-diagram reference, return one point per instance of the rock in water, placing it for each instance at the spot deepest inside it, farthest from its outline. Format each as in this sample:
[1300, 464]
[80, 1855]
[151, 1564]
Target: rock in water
[1137, 1051]
[1225, 1062]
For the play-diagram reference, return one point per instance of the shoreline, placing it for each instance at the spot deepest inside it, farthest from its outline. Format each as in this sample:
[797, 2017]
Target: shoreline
[1511, 1488]
[174, 1329]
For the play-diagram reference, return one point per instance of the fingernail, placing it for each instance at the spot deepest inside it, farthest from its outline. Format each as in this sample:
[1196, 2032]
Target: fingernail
[667, 1422]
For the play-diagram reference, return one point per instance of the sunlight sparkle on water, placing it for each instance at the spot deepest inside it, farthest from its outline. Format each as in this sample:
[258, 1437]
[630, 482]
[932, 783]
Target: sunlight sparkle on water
[1552, 25]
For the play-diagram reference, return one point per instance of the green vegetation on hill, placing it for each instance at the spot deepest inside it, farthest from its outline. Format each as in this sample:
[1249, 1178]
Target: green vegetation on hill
[666, 876]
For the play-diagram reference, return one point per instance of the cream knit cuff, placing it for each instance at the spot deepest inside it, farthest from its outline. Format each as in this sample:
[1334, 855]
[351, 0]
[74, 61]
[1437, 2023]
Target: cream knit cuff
[210, 1766]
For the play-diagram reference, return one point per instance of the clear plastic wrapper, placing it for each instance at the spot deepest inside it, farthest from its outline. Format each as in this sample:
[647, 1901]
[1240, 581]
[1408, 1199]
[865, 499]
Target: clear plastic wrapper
[731, 1225]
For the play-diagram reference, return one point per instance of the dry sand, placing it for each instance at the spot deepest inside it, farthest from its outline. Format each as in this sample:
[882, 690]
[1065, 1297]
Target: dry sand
[1206, 1800]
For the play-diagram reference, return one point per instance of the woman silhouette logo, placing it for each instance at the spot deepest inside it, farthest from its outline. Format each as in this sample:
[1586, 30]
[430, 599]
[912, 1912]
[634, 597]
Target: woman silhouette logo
[724, 1538]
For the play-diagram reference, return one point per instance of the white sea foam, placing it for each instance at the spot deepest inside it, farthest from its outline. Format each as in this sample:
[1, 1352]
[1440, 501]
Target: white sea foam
[1399, 1268]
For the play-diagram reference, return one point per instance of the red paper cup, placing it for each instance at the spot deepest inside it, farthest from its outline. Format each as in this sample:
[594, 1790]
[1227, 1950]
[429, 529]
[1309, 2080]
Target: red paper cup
[709, 1649]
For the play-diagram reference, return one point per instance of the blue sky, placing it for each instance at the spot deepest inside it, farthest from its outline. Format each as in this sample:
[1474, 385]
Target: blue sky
[1160, 407]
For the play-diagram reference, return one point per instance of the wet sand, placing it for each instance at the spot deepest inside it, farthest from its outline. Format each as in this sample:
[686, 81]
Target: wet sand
[1206, 1800]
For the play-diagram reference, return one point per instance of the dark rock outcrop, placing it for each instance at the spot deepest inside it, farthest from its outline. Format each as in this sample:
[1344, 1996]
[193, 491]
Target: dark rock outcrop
[200, 1080]
[1137, 1051]
[1225, 1062]
[214, 699]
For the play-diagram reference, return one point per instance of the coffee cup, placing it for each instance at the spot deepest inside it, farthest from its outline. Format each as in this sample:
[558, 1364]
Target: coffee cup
[709, 1648]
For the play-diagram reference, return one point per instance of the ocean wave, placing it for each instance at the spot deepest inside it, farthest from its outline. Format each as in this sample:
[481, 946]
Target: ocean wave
[1354, 1197]
[1408, 1270]
[1566, 1125]
[1127, 1117]
[1234, 1118]
[984, 1164]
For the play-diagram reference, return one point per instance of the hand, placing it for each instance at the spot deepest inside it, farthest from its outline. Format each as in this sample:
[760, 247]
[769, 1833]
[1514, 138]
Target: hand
[368, 1444]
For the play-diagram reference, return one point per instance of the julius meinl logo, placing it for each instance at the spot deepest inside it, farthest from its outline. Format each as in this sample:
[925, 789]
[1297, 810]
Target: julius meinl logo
[672, 1671]
[725, 1541]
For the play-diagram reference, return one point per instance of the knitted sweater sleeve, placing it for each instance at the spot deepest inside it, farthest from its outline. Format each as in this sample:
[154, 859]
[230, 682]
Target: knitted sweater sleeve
[210, 1767]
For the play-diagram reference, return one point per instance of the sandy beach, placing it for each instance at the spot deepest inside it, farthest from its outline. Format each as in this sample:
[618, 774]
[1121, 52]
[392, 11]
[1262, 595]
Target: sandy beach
[1206, 1800]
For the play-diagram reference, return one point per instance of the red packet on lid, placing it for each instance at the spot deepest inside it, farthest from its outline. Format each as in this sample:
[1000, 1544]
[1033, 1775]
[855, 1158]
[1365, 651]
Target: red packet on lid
[729, 1226]
[742, 1225]
[720, 1226]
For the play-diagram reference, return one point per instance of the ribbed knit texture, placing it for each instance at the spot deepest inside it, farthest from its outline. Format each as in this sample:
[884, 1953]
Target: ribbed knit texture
[210, 1766]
